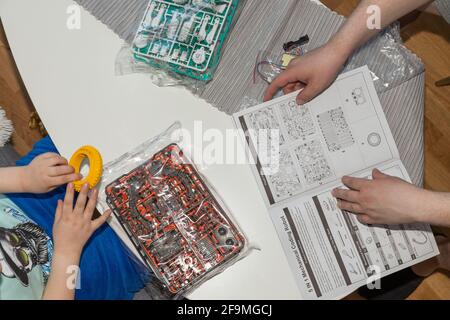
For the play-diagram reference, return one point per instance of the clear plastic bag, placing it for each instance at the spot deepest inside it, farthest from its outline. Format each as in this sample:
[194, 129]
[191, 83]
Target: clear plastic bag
[389, 61]
[269, 64]
[394, 64]
[180, 227]
[179, 42]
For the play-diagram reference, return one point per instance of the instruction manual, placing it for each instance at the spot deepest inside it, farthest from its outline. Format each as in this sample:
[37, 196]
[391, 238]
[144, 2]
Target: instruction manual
[341, 132]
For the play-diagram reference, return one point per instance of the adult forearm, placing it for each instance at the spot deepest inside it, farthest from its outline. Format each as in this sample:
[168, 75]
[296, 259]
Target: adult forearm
[359, 28]
[436, 208]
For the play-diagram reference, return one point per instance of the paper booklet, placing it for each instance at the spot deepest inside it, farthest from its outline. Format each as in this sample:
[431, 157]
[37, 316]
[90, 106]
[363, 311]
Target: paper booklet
[341, 132]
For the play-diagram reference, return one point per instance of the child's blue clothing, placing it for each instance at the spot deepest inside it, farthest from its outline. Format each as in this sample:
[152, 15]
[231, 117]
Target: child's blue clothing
[106, 269]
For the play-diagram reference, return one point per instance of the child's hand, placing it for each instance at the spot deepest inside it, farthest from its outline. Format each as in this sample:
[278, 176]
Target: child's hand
[46, 172]
[73, 224]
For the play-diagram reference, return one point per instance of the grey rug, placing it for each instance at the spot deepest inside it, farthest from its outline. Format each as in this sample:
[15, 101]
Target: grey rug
[266, 25]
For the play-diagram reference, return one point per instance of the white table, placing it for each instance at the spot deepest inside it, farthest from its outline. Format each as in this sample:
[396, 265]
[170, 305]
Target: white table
[69, 75]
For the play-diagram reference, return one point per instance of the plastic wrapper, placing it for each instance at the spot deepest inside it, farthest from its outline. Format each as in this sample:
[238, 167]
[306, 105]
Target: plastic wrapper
[179, 226]
[393, 65]
[179, 42]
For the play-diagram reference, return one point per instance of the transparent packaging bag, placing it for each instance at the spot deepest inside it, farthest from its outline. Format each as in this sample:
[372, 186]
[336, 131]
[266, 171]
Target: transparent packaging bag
[179, 42]
[393, 65]
[179, 226]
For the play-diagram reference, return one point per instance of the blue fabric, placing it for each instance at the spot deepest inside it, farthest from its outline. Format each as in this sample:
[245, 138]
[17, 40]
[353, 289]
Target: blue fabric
[107, 269]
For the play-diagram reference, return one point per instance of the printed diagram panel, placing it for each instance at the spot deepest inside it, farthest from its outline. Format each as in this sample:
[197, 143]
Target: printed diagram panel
[265, 119]
[297, 119]
[313, 162]
[359, 98]
[340, 132]
[286, 182]
[335, 130]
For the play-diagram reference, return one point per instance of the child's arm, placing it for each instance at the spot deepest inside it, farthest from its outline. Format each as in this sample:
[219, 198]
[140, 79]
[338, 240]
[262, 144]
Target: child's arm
[72, 229]
[43, 174]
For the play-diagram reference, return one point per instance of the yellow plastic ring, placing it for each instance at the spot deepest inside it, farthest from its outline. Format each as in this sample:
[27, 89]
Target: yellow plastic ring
[95, 166]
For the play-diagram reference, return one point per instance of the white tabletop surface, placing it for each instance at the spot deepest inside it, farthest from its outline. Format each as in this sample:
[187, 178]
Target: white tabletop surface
[69, 75]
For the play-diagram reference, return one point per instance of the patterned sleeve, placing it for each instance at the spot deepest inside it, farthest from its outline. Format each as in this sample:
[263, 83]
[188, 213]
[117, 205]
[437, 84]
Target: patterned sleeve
[444, 8]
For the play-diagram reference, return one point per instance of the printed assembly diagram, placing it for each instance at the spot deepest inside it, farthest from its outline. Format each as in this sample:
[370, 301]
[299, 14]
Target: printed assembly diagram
[331, 253]
[340, 132]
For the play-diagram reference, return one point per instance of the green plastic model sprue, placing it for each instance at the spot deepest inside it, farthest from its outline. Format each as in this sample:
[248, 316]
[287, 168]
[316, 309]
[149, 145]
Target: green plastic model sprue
[184, 36]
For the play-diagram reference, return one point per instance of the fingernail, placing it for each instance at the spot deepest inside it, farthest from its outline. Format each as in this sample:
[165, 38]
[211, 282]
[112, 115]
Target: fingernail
[300, 102]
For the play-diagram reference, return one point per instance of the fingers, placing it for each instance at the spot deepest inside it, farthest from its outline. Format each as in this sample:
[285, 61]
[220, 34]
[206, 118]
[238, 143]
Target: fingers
[289, 88]
[59, 211]
[308, 93]
[355, 183]
[347, 195]
[364, 219]
[49, 155]
[377, 174]
[61, 180]
[81, 200]
[292, 87]
[349, 206]
[68, 199]
[61, 170]
[97, 223]
[90, 207]
[286, 77]
[57, 161]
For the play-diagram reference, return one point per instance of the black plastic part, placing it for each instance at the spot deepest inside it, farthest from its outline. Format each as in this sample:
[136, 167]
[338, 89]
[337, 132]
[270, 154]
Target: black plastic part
[300, 42]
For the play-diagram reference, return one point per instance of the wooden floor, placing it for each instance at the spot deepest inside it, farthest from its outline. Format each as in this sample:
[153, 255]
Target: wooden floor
[428, 36]
[15, 100]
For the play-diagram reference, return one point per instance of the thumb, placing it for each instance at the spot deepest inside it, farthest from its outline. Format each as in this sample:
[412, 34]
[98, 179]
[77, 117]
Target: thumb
[97, 223]
[377, 174]
[307, 94]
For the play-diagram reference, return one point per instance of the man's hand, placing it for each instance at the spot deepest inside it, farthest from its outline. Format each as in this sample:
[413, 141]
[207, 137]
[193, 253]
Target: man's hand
[46, 172]
[73, 224]
[314, 72]
[383, 200]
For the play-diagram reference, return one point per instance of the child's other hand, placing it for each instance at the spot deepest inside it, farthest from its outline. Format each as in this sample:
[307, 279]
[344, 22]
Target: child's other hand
[47, 172]
[73, 224]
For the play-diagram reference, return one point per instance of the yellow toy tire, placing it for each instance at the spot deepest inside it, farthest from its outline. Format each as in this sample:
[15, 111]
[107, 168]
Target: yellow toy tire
[95, 166]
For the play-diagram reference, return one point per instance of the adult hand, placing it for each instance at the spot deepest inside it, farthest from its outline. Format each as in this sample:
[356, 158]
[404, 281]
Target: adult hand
[383, 200]
[314, 72]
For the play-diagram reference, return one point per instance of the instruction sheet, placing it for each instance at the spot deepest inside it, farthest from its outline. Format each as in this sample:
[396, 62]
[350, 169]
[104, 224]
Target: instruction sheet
[300, 154]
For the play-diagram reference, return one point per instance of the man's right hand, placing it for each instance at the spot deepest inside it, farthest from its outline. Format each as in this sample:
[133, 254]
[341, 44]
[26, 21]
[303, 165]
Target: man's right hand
[314, 72]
